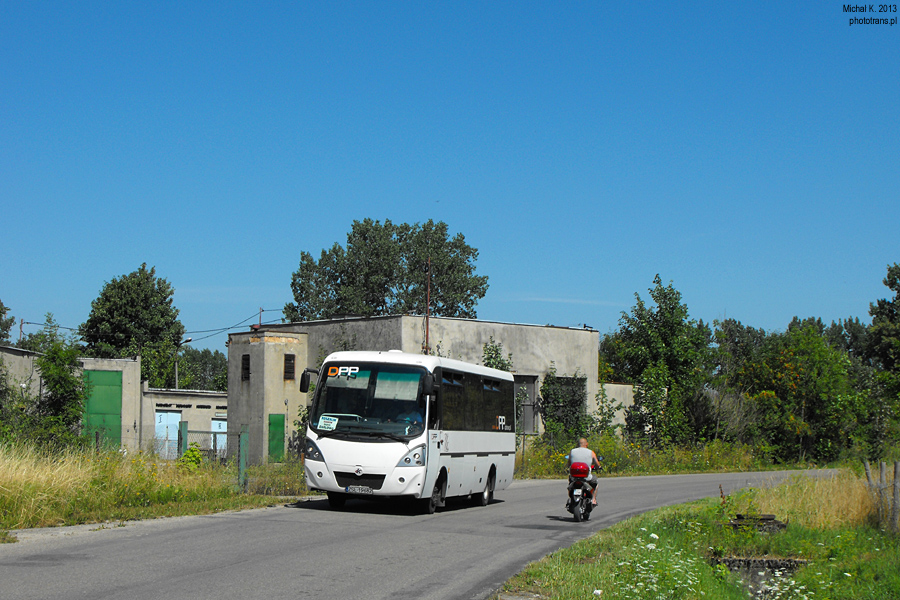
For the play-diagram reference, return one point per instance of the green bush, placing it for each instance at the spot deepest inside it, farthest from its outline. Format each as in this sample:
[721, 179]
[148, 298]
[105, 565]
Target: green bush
[192, 458]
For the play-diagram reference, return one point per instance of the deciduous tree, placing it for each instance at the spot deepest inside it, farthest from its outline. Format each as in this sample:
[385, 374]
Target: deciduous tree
[134, 314]
[884, 352]
[42, 340]
[6, 324]
[384, 270]
[208, 370]
[667, 355]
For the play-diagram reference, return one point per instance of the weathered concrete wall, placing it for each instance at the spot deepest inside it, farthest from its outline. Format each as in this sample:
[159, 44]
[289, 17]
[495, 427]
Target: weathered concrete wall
[20, 368]
[620, 393]
[325, 337]
[534, 348]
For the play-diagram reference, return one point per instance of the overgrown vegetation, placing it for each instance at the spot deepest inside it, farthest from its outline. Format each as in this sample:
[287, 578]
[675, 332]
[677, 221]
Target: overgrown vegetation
[541, 459]
[51, 419]
[810, 393]
[52, 488]
[675, 552]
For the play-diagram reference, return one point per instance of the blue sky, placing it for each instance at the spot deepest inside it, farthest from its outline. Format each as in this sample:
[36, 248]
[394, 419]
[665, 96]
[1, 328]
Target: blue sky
[748, 152]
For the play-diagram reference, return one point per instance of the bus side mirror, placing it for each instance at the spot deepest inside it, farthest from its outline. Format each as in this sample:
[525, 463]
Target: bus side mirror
[427, 390]
[304, 380]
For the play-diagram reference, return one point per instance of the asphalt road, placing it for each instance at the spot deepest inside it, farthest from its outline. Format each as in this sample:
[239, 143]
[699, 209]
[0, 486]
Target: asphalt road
[368, 550]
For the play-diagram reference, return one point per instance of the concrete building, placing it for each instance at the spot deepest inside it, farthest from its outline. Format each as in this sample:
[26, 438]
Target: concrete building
[125, 412]
[265, 363]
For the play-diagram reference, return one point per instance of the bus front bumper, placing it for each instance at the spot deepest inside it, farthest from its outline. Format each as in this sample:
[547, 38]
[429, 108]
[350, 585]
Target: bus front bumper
[358, 480]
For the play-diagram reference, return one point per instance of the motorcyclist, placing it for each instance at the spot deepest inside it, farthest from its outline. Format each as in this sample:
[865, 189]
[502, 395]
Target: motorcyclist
[583, 454]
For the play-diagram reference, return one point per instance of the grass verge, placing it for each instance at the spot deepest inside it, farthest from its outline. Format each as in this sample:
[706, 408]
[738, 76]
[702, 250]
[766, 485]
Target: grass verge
[39, 489]
[672, 552]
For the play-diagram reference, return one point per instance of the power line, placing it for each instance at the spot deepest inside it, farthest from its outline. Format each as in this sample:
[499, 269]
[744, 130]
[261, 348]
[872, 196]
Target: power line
[211, 332]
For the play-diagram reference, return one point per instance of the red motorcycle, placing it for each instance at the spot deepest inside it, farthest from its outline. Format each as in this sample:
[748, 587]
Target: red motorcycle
[581, 497]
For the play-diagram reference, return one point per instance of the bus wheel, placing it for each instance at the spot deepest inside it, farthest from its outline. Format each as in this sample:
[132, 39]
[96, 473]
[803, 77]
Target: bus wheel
[431, 504]
[336, 499]
[488, 494]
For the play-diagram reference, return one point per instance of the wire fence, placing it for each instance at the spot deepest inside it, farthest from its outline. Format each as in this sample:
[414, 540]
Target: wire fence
[213, 444]
[886, 494]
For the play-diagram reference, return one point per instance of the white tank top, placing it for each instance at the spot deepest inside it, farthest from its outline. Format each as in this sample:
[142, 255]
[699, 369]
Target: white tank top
[583, 455]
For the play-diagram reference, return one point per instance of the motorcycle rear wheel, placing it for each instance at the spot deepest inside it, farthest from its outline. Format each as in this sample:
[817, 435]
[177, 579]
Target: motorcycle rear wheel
[576, 511]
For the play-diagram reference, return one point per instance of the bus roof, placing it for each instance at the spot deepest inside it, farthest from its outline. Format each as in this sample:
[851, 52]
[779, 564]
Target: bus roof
[406, 358]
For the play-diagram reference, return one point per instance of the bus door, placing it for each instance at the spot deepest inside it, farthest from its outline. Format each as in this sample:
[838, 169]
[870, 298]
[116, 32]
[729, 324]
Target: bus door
[433, 441]
[433, 464]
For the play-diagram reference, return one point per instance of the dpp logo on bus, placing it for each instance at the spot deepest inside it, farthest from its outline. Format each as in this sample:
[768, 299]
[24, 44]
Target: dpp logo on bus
[343, 371]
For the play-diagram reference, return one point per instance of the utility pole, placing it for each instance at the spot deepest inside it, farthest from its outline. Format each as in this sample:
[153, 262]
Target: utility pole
[427, 307]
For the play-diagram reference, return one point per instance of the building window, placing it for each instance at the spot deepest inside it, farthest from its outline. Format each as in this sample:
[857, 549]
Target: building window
[288, 366]
[245, 367]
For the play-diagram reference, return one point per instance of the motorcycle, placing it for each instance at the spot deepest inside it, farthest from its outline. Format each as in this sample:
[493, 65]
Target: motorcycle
[580, 501]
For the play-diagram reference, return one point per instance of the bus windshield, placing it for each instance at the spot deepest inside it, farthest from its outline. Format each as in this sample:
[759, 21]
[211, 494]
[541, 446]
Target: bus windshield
[369, 400]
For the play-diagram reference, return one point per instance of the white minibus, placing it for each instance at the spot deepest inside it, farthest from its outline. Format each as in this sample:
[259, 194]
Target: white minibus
[409, 425]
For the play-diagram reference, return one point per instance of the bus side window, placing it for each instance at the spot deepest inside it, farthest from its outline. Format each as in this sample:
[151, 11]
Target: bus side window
[453, 401]
[434, 410]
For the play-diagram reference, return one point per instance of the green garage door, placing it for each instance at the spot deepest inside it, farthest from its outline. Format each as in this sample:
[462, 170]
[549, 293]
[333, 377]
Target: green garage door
[103, 411]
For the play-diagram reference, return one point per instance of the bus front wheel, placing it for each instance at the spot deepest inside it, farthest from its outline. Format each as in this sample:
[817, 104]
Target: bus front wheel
[336, 499]
[432, 502]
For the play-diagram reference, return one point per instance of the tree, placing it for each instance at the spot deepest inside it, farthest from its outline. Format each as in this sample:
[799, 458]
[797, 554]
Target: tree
[52, 419]
[563, 407]
[44, 339]
[808, 407]
[131, 312]
[134, 315]
[884, 347]
[207, 370]
[667, 356]
[736, 346]
[64, 390]
[385, 270]
[6, 324]
[492, 356]
[884, 352]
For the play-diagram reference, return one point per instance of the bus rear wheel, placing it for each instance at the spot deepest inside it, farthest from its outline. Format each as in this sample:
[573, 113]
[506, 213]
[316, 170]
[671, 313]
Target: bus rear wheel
[488, 494]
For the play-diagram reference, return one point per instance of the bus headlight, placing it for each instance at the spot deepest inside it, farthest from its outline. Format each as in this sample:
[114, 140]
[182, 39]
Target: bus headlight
[313, 452]
[413, 458]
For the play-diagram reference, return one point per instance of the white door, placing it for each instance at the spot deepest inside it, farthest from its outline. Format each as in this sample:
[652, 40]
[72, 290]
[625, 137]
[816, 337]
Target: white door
[167, 433]
[219, 429]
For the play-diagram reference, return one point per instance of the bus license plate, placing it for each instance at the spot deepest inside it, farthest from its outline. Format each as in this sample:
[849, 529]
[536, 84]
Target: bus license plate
[359, 489]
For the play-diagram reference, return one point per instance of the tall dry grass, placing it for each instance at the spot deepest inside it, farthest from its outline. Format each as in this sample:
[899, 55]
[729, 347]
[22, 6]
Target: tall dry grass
[40, 489]
[842, 500]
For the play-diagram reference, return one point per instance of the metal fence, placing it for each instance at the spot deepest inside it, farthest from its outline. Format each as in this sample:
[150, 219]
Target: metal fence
[213, 444]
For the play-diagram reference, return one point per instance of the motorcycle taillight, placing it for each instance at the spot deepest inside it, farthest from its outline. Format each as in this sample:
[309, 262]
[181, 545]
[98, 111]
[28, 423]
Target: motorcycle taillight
[580, 470]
